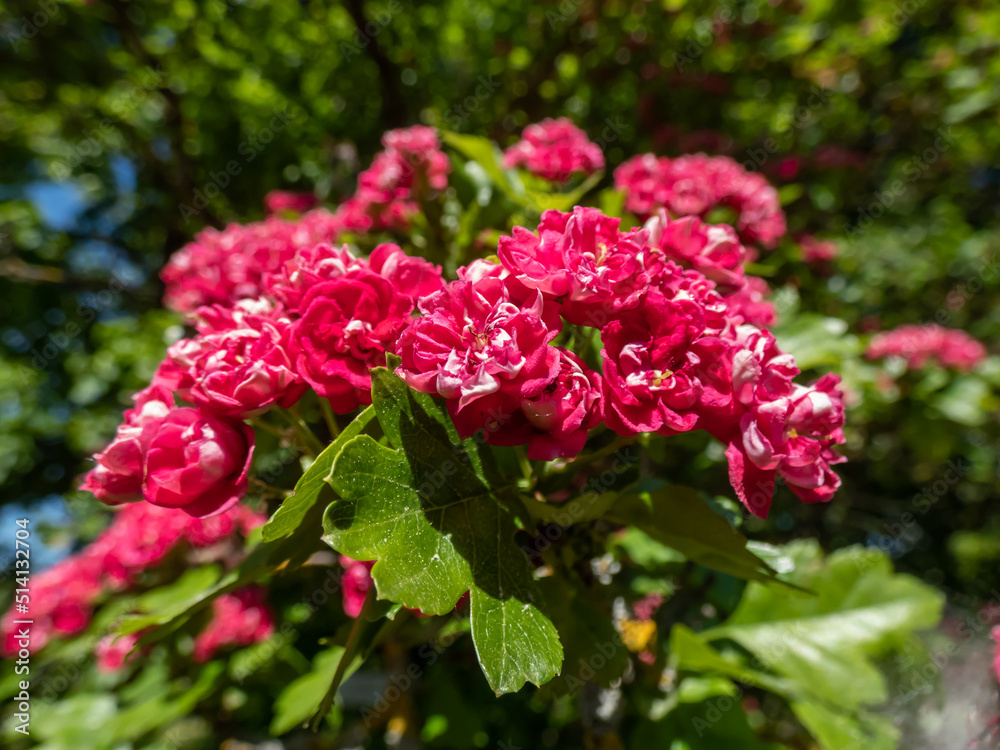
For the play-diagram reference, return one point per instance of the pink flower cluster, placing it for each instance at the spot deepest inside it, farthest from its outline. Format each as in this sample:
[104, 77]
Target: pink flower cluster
[410, 167]
[555, 150]
[816, 251]
[676, 357]
[694, 185]
[224, 266]
[238, 619]
[282, 201]
[920, 345]
[995, 634]
[139, 537]
[331, 318]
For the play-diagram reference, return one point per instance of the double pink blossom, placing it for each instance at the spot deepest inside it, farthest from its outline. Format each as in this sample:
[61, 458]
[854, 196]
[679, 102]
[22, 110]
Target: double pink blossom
[479, 349]
[242, 366]
[657, 360]
[580, 259]
[921, 345]
[555, 150]
[117, 476]
[225, 266]
[693, 185]
[411, 167]
[238, 619]
[196, 461]
[346, 327]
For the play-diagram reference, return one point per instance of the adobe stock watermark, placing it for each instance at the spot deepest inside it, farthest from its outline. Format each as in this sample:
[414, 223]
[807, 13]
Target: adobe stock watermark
[58, 341]
[364, 36]
[802, 116]
[95, 139]
[458, 113]
[250, 148]
[27, 27]
[706, 31]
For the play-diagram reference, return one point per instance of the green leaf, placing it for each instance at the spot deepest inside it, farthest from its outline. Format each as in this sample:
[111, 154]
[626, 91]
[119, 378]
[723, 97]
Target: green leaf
[837, 731]
[300, 698]
[167, 602]
[542, 201]
[815, 340]
[482, 151]
[433, 511]
[700, 726]
[296, 506]
[827, 642]
[287, 554]
[678, 517]
[594, 649]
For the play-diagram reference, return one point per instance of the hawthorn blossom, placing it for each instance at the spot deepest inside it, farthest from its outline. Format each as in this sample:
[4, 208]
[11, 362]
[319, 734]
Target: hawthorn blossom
[921, 345]
[117, 477]
[410, 167]
[195, 461]
[346, 327]
[712, 249]
[693, 185]
[654, 360]
[224, 266]
[480, 350]
[238, 619]
[555, 150]
[580, 259]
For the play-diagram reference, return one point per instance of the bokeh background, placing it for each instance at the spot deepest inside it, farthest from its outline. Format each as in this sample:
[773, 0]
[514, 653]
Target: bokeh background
[878, 120]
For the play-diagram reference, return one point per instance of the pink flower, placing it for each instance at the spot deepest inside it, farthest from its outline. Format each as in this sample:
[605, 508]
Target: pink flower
[656, 362]
[238, 619]
[480, 350]
[920, 345]
[714, 250]
[347, 326]
[411, 167]
[280, 201]
[581, 259]
[760, 370]
[243, 371]
[816, 251]
[229, 265]
[555, 150]
[749, 302]
[552, 419]
[356, 582]
[561, 413]
[310, 266]
[410, 275]
[117, 477]
[195, 461]
[693, 185]
[113, 652]
[793, 436]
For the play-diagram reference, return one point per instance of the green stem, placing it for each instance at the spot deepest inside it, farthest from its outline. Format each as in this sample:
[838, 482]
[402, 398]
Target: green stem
[331, 419]
[525, 464]
[345, 659]
[309, 440]
[588, 458]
